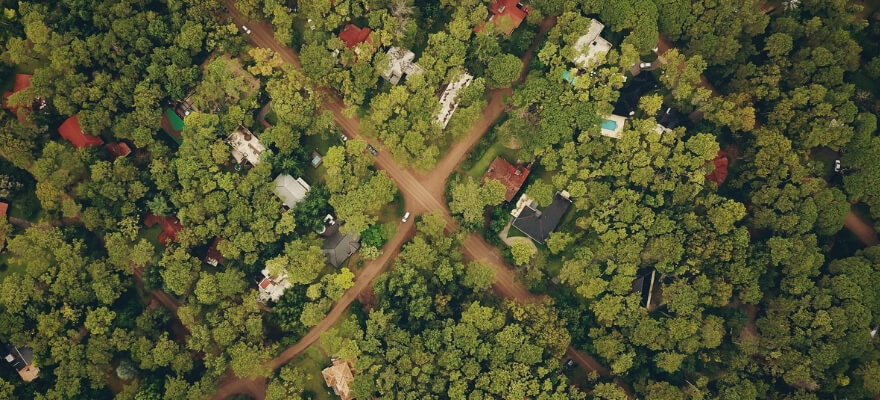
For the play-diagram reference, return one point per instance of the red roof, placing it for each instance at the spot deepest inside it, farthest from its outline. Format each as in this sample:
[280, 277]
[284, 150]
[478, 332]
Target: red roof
[3, 208]
[502, 10]
[265, 283]
[719, 174]
[71, 131]
[22, 82]
[170, 226]
[510, 176]
[353, 36]
[118, 149]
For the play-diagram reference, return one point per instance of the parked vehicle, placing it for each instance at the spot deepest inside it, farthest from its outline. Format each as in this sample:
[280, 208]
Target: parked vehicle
[343, 137]
[645, 65]
[405, 217]
[246, 29]
[836, 165]
[372, 150]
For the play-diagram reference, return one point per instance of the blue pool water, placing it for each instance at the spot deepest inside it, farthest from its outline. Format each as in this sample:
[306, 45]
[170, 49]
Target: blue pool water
[608, 124]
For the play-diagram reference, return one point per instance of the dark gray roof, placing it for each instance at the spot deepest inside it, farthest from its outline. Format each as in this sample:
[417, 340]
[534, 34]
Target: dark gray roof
[339, 246]
[18, 357]
[538, 224]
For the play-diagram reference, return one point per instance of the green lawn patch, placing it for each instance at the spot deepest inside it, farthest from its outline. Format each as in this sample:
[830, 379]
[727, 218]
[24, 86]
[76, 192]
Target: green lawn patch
[497, 149]
[8, 268]
[312, 362]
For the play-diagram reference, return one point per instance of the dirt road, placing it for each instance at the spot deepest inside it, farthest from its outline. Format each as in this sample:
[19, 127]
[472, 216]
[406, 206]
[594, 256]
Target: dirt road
[860, 228]
[421, 193]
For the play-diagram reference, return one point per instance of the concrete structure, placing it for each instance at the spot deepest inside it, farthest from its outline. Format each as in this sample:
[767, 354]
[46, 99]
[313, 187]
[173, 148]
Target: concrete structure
[612, 126]
[245, 146]
[591, 47]
[273, 287]
[400, 63]
[447, 99]
[289, 190]
[338, 376]
[537, 224]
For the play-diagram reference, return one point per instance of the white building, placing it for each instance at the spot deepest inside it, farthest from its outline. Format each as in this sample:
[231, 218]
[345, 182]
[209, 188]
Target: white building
[290, 190]
[591, 47]
[447, 99]
[400, 63]
[272, 288]
[245, 146]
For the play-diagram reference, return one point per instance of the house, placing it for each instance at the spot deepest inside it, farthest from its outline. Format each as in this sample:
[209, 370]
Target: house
[538, 224]
[400, 63]
[338, 376]
[170, 225]
[117, 149]
[338, 246]
[644, 286]
[3, 208]
[22, 358]
[512, 177]
[448, 101]
[74, 134]
[719, 172]
[507, 15]
[591, 47]
[272, 288]
[172, 124]
[22, 82]
[612, 126]
[245, 146]
[289, 190]
[213, 256]
[353, 35]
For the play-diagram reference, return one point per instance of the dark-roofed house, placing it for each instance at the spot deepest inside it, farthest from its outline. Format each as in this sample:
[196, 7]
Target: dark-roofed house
[338, 246]
[74, 134]
[353, 35]
[512, 177]
[213, 256]
[507, 15]
[644, 286]
[21, 358]
[538, 224]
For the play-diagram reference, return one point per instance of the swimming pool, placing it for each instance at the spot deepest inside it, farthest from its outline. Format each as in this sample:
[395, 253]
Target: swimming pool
[608, 124]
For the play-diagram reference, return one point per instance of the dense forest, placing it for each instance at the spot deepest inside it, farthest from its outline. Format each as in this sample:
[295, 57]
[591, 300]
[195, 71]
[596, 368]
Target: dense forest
[720, 243]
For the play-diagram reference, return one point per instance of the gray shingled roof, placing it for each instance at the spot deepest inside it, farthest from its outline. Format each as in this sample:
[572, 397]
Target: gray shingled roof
[538, 224]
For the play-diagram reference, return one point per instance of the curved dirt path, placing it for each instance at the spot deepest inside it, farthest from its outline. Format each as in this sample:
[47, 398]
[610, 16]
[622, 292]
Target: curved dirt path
[421, 193]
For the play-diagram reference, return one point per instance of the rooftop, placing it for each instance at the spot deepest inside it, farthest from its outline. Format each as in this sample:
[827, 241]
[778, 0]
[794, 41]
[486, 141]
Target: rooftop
[538, 224]
[448, 101]
[339, 246]
[22, 82]
[3, 208]
[272, 288]
[170, 225]
[719, 172]
[21, 359]
[74, 134]
[338, 377]
[400, 63]
[213, 256]
[353, 35]
[507, 15]
[245, 146]
[510, 176]
[290, 190]
[591, 46]
[118, 149]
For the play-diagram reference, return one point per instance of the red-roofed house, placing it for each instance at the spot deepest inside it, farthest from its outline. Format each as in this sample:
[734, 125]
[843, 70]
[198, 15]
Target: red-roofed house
[3, 208]
[353, 36]
[507, 15]
[510, 176]
[118, 149]
[719, 174]
[22, 82]
[170, 226]
[71, 131]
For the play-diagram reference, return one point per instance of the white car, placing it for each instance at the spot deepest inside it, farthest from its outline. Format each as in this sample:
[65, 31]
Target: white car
[836, 165]
[343, 137]
[246, 29]
[405, 217]
[645, 65]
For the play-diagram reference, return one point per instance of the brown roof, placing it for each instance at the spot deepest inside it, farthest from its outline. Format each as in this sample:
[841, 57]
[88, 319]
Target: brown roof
[213, 256]
[352, 35]
[74, 134]
[510, 176]
[338, 377]
[506, 10]
[118, 149]
[3, 208]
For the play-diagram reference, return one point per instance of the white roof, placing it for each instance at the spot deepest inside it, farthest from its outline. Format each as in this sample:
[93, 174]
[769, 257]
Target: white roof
[400, 63]
[591, 46]
[245, 145]
[660, 129]
[523, 201]
[618, 128]
[291, 191]
[447, 99]
[272, 288]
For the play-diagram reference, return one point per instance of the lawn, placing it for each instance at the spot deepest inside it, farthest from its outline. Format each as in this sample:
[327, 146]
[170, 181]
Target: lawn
[7, 268]
[317, 357]
[321, 142]
[497, 149]
[152, 236]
